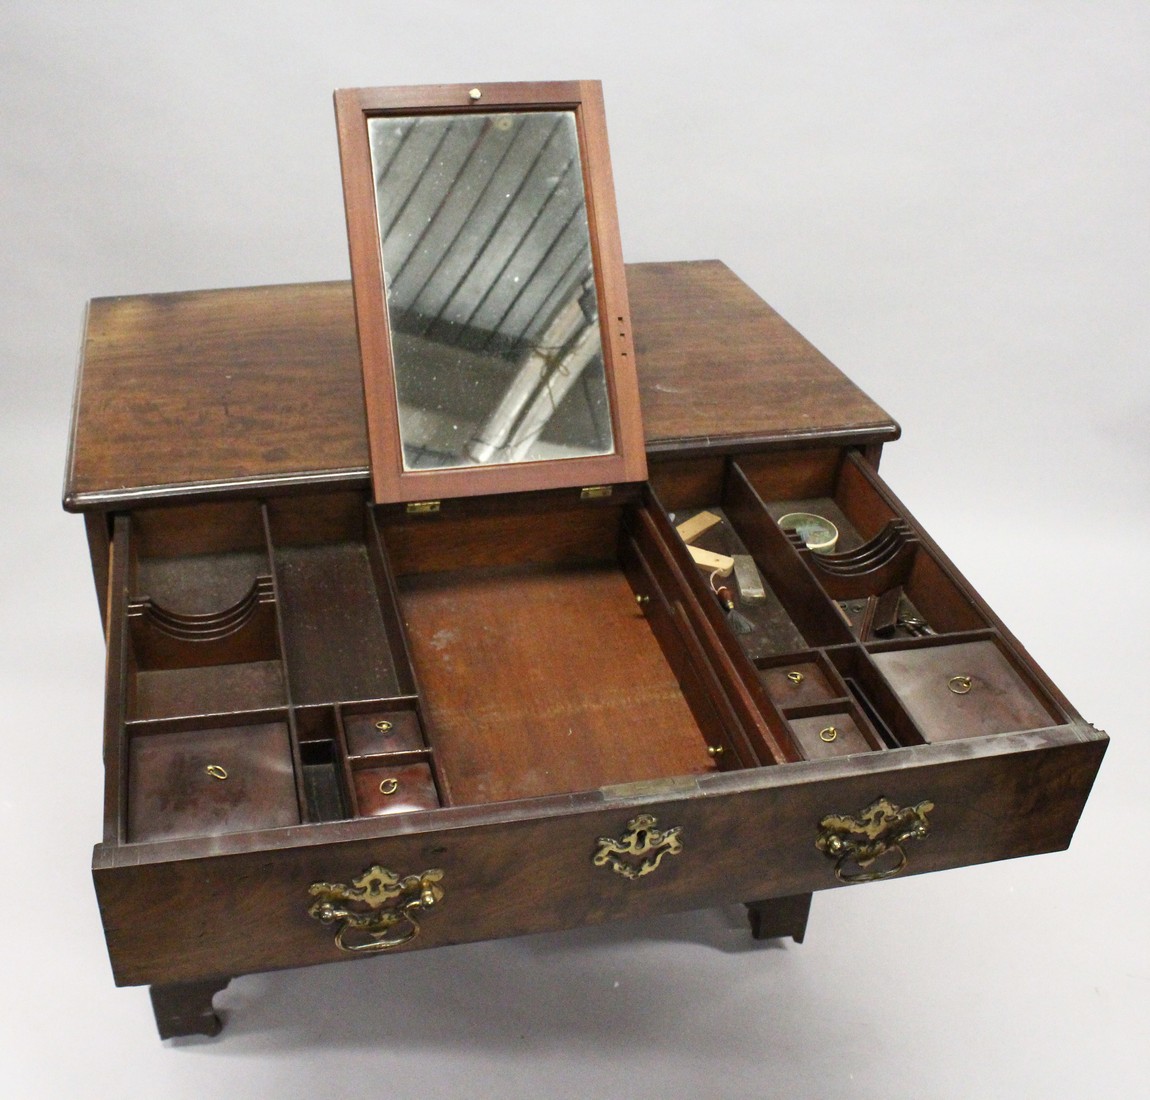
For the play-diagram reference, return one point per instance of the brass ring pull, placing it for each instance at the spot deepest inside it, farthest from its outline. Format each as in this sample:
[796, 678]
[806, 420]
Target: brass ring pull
[389, 786]
[216, 772]
[380, 942]
[960, 685]
[383, 726]
[850, 878]
[378, 911]
[867, 842]
[795, 678]
[828, 734]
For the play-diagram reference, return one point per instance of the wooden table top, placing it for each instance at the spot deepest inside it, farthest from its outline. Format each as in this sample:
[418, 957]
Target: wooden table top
[257, 388]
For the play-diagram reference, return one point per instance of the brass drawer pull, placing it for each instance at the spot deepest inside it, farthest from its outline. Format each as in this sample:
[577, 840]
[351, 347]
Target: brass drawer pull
[960, 685]
[877, 832]
[374, 906]
[625, 855]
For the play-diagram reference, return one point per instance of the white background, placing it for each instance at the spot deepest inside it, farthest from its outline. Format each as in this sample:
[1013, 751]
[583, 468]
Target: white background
[950, 201]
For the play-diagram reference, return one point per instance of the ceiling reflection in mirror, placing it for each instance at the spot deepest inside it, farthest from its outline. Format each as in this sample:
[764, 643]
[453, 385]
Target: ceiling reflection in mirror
[491, 294]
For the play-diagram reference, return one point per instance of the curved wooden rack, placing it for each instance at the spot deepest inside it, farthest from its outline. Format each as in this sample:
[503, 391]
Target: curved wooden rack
[243, 632]
[878, 565]
[208, 627]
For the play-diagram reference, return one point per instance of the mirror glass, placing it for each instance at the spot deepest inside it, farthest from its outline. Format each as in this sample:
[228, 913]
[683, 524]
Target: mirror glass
[491, 294]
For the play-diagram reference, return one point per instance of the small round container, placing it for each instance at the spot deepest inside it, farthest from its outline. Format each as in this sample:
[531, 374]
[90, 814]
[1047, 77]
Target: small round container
[820, 535]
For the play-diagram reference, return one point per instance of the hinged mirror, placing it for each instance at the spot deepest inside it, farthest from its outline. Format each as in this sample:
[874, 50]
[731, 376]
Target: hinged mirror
[489, 289]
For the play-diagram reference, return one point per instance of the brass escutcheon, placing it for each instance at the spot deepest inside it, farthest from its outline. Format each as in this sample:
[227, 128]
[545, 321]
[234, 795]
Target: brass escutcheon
[625, 856]
[374, 906]
[828, 734]
[876, 833]
[216, 772]
[960, 685]
[389, 786]
[795, 678]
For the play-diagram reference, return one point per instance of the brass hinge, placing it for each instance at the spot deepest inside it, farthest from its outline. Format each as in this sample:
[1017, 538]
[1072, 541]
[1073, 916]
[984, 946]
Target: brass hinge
[422, 507]
[596, 492]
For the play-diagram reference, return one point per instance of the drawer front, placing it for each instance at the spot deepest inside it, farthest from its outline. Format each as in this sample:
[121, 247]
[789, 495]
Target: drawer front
[740, 836]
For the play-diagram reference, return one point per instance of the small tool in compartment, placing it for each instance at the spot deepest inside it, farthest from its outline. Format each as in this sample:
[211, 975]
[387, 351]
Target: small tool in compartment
[748, 579]
[739, 623]
[887, 615]
[691, 529]
[817, 532]
[716, 563]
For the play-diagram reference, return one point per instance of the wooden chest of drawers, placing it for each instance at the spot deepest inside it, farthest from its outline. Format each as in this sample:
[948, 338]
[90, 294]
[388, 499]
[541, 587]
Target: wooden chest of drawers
[335, 727]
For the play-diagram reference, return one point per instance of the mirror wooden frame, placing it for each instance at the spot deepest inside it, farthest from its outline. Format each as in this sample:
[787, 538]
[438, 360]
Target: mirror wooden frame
[391, 481]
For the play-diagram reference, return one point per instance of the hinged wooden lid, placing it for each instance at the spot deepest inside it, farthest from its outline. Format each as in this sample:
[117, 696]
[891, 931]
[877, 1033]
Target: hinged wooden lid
[490, 298]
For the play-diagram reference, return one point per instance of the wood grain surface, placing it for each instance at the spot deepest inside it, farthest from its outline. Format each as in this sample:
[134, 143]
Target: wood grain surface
[232, 390]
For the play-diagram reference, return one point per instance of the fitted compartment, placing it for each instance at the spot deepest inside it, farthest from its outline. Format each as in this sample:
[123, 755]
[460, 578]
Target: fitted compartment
[884, 585]
[342, 640]
[539, 671]
[885, 578]
[209, 781]
[200, 613]
[964, 689]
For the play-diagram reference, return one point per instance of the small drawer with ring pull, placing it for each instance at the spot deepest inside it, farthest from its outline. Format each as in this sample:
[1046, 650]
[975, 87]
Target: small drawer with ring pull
[394, 789]
[800, 680]
[822, 732]
[381, 731]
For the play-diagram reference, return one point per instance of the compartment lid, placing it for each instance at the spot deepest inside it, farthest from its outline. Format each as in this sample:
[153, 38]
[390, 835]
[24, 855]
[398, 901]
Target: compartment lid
[490, 298]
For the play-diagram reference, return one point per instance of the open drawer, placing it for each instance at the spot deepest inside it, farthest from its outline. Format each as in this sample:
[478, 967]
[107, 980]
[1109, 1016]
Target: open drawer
[336, 729]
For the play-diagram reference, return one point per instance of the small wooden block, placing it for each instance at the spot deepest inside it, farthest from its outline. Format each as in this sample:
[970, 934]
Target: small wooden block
[719, 563]
[691, 529]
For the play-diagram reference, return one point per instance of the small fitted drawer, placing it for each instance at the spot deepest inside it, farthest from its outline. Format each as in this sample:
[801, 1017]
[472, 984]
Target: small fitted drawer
[961, 690]
[799, 684]
[395, 789]
[204, 782]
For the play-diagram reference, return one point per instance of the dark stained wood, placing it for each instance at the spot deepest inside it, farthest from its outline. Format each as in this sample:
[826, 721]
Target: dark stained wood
[414, 789]
[731, 371]
[185, 1008]
[998, 700]
[539, 681]
[216, 386]
[176, 912]
[777, 918]
[542, 708]
[171, 793]
[334, 631]
[227, 390]
[445, 542]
